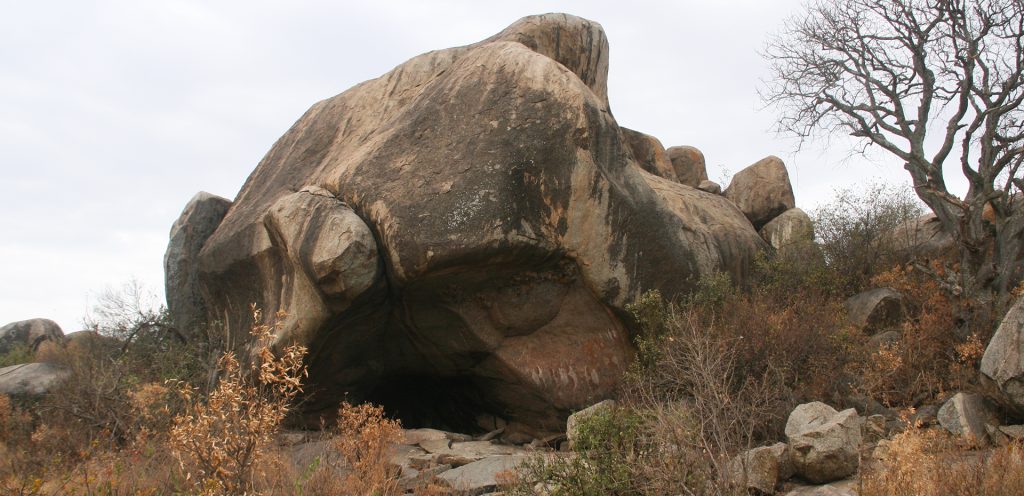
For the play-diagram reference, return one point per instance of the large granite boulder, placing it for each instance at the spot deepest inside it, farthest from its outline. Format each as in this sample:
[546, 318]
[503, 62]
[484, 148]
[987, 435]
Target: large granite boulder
[196, 223]
[762, 190]
[461, 235]
[825, 443]
[689, 165]
[28, 334]
[1002, 365]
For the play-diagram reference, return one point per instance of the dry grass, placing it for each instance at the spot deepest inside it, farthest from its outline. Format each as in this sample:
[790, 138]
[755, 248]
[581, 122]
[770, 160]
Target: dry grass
[929, 462]
[364, 438]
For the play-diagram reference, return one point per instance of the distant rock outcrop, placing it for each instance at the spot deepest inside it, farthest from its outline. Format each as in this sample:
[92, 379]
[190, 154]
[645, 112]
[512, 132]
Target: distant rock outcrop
[29, 334]
[462, 235]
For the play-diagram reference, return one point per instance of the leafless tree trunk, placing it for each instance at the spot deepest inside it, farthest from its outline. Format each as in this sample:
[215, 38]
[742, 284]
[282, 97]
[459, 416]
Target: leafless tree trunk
[935, 83]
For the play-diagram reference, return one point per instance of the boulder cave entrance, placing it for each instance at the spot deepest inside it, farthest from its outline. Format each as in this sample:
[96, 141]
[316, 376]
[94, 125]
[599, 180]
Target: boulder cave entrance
[447, 403]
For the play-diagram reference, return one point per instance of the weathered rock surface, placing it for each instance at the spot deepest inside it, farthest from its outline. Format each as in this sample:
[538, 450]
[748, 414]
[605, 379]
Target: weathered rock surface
[197, 221]
[29, 334]
[762, 190]
[791, 226]
[877, 309]
[922, 237]
[649, 154]
[760, 469]
[510, 220]
[966, 415]
[30, 379]
[481, 476]
[689, 166]
[824, 442]
[1002, 365]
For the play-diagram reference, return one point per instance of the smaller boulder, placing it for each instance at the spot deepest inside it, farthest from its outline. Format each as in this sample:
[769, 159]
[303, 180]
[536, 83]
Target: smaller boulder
[649, 153]
[966, 415]
[1002, 365]
[877, 309]
[922, 237]
[30, 379]
[926, 416]
[762, 191]
[572, 424]
[825, 443]
[792, 226]
[761, 469]
[28, 334]
[710, 187]
[688, 163]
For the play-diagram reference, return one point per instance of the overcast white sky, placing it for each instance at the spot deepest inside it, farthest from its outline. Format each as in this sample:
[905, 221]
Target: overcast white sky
[114, 113]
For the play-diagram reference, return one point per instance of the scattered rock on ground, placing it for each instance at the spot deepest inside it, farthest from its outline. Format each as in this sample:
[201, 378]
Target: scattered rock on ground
[762, 191]
[29, 333]
[458, 453]
[825, 443]
[760, 469]
[480, 477]
[966, 415]
[1002, 365]
[30, 379]
[877, 309]
[847, 487]
[925, 416]
[1013, 431]
[688, 163]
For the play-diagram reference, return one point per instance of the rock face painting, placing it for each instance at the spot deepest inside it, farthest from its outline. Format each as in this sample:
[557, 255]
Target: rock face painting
[462, 234]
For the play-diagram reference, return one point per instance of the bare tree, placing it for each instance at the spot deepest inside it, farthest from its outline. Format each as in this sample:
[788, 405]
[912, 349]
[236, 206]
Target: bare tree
[933, 82]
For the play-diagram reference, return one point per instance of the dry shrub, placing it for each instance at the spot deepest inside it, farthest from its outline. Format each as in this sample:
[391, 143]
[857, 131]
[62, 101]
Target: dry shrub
[364, 438]
[930, 462]
[931, 356]
[219, 442]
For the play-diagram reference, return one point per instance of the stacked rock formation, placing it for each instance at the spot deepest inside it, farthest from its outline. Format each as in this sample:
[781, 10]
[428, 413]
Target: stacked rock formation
[462, 234]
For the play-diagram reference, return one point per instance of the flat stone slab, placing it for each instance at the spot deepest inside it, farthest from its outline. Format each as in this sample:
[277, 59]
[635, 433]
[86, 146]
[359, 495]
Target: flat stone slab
[480, 477]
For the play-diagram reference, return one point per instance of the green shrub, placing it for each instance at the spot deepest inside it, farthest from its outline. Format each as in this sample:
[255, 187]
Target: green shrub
[607, 452]
[18, 354]
[853, 230]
